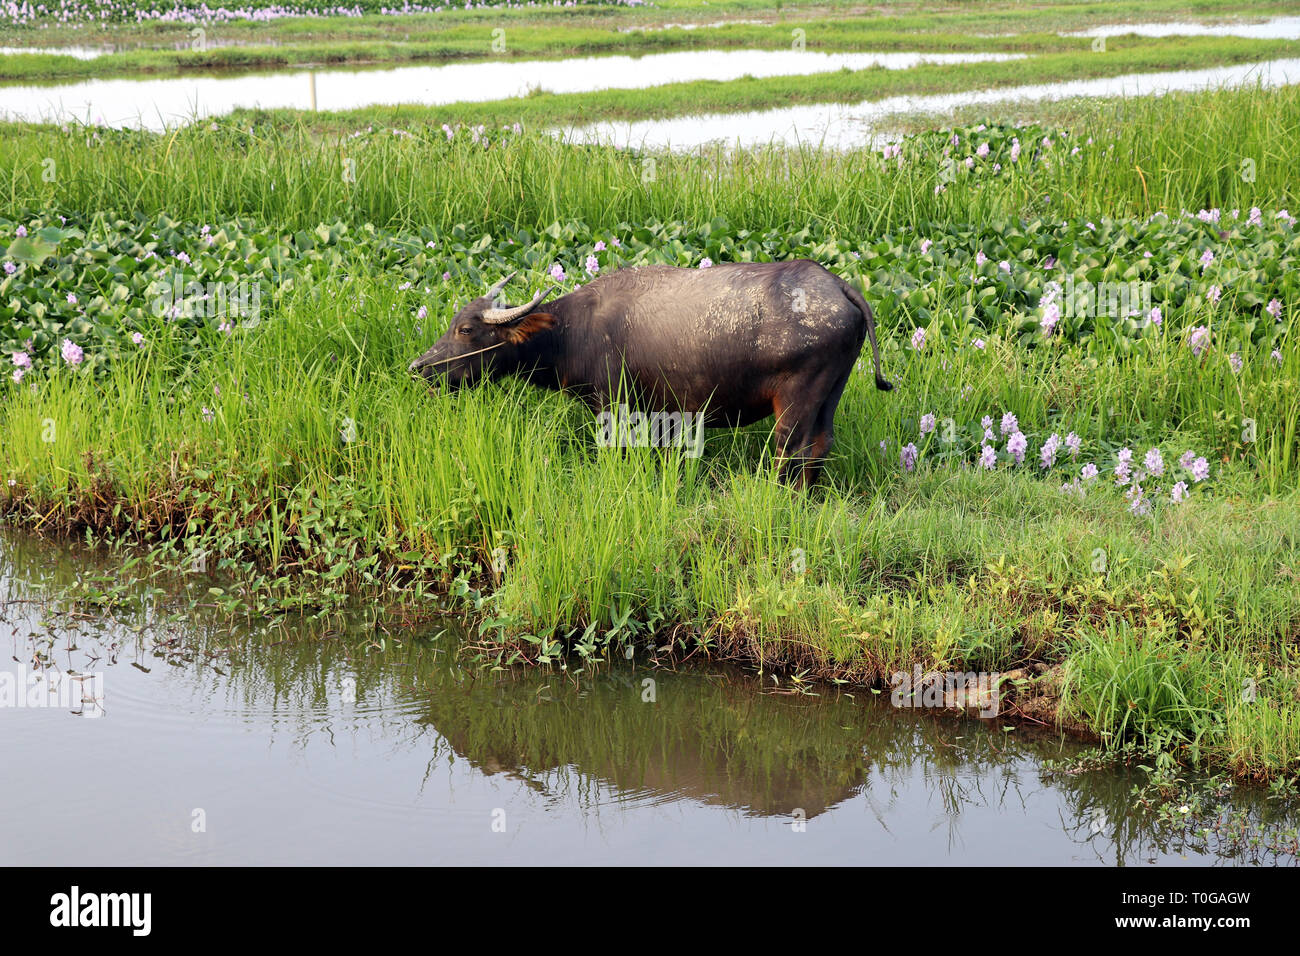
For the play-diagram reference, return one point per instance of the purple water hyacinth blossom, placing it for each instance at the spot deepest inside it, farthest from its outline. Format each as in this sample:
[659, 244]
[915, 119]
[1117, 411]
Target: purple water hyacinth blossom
[72, 298]
[1186, 458]
[969, 162]
[907, 457]
[1015, 149]
[137, 338]
[925, 246]
[1274, 308]
[1051, 316]
[22, 360]
[1207, 257]
[18, 375]
[983, 150]
[10, 268]
[1235, 361]
[599, 246]
[1017, 445]
[1074, 443]
[1200, 470]
[207, 414]
[1047, 454]
[20, 231]
[1178, 493]
[557, 272]
[988, 457]
[592, 265]
[928, 422]
[1256, 217]
[422, 313]
[1009, 423]
[706, 263]
[1154, 462]
[1198, 339]
[979, 344]
[1089, 472]
[1155, 317]
[918, 339]
[72, 353]
[1213, 294]
[980, 258]
[1276, 356]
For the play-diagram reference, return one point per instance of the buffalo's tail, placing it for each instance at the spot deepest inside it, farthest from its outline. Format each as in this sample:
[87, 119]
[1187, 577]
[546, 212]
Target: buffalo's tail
[855, 297]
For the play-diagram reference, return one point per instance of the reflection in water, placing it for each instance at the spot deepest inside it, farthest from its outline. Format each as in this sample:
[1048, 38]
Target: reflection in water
[158, 103]
[353, 743]
[836, 126]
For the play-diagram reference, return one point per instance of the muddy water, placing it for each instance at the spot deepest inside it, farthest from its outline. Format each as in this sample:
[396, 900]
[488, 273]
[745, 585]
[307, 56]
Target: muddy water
[158, 103]
[191, 741]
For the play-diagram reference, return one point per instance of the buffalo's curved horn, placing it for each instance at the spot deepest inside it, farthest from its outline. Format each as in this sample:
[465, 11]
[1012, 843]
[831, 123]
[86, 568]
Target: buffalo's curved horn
[504, 316]
[495, 289]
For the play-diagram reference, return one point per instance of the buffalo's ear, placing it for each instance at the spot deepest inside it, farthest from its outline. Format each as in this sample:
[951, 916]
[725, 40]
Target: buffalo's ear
[528, 326]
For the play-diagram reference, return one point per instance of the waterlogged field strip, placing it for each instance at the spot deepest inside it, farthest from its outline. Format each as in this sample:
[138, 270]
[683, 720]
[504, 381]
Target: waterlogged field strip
[583, 30]
[1229, 149]
[158, 104]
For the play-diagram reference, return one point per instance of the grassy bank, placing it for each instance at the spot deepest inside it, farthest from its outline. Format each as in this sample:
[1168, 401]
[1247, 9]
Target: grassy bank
[289, 451]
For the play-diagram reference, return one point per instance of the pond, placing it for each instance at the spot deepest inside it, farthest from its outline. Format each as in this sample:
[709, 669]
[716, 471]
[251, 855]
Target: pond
[191, 741]
[850, 126]
[159, 103]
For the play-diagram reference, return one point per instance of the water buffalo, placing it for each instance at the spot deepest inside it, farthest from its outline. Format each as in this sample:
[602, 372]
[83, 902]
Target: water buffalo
[738, 342]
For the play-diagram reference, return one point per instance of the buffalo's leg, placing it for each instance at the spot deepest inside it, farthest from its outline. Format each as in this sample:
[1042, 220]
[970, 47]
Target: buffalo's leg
[796, 436]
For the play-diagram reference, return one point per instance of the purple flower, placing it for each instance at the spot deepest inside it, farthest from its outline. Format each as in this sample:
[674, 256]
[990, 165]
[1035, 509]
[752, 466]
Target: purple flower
[1199, 340]
[557, 272]
[1047, 454]
[1274, 308]
[706, 263]
[927, 423]
[979, 344]
[600, 245]
[1155, 317]
[1051, 316]
[1009, 423]
[1089, 472]
[1154, 462]
[925, 246]
[593, 265]
[1200, 470]
[20, 231]
[423, 312]
[22, 360]
[1179, 492]
[1213, 294]
[908, 457]
[1206, 258]
[72, 298]
[1276, 356]
[72, 353]
[446, 276]
[980, 258]
[1186, 459]
[1235, 361]
[137, 338]
[207, 414]
[988, 457]
[918, 339]
[10, 268]
[1017, 445]
[1256, 217]
[1074, 443]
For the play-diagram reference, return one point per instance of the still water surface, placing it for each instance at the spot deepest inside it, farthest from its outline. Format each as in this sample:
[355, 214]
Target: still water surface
[316, 745]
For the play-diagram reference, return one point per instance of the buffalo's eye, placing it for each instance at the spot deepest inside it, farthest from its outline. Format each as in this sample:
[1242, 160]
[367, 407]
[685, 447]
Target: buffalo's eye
[464, 330]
